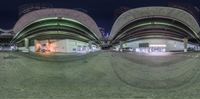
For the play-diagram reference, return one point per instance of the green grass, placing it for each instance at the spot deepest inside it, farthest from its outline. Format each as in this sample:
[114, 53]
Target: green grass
[102, 76]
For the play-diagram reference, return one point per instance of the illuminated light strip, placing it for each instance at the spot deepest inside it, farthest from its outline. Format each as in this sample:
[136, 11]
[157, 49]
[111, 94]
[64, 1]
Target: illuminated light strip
[44, 19]
[177, 21]
[81, 30]
[161, 23]
[140, 34]
[157, 45]
[19, 35]
[136, 26]
[47, 33]
[156, 23]
[153, 37]
[82, 25]
[63, 33]
[45, 25]
[196, 34]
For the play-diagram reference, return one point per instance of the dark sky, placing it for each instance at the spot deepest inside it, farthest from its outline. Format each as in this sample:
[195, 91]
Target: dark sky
[102, 11]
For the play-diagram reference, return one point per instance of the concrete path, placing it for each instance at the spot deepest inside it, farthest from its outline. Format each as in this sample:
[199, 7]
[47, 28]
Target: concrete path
[106, 75]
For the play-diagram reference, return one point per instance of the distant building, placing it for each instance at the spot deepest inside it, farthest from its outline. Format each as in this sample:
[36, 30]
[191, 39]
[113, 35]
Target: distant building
[103, 33]
[5, 39]
[6, 36]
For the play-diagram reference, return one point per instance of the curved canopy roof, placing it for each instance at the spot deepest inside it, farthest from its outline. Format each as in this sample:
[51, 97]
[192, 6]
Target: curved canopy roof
[45, 17]
[140, 19]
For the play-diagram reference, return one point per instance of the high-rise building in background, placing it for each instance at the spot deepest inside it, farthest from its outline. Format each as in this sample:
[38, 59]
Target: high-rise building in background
[104, 34]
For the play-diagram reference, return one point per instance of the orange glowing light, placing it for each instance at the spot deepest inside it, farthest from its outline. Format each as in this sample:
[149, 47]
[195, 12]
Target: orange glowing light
[52, 47]
[38, 47]
[47, 47]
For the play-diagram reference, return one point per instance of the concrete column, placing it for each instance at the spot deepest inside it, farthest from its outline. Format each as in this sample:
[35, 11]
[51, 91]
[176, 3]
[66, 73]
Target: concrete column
[26, 41]
[35, 46]
[185, 40]
[121, 46]
[197, 47]
[90, 45]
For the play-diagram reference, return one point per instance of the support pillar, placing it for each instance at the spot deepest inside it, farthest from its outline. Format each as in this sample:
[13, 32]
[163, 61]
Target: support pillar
[37, 48]
[185, 40]
[121, 46]
[26, 41]
[90, 45]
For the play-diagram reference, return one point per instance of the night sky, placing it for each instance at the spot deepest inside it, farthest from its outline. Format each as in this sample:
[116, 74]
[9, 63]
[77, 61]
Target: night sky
[102, 11]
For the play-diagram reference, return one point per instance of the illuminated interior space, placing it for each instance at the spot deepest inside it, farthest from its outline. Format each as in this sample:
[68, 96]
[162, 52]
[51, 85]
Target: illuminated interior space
[156, 45]
[62, 45]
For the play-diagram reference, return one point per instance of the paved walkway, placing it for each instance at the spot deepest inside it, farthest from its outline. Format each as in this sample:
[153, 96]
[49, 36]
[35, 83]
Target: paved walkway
[105, 75]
